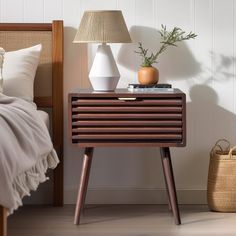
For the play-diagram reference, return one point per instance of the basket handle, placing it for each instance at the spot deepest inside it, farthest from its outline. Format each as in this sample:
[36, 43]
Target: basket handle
[231, 150]
[217, 144]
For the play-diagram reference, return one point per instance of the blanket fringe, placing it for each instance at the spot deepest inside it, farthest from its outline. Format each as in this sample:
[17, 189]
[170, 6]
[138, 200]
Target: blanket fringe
[30, 179]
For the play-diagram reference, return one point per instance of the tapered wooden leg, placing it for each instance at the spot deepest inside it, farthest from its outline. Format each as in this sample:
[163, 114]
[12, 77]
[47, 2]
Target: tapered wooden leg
[168, 194]
[169, 176]
[84, 178]
[3, 221]
[86, 184]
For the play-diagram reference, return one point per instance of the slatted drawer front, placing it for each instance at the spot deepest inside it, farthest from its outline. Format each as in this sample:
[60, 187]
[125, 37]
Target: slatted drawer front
[133, 121]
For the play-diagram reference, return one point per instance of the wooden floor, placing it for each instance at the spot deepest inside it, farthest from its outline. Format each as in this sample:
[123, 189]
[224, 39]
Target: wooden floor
[116, 220]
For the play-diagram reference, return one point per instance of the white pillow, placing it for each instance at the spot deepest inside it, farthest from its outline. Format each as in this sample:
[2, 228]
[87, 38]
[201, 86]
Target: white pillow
[2, 52]
[19, 70]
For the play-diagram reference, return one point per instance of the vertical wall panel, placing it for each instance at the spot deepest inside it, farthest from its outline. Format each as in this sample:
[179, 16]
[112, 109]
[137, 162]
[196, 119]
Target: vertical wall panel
[174, 13]
[201, 92]
[144, 13]
[76, 53]
[53, 10]
[33, 10]
[99, 5]
[72, 12]
[1, 10]
[223, 48]
[12, 11]
[126, 61]
[223, 68]
[203, 42]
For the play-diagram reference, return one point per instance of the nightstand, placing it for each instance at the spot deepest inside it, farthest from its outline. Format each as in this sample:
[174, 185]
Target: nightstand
[123, 118]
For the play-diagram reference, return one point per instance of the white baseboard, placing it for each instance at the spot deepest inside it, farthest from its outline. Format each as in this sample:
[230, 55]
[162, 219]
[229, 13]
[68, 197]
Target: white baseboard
[118, 195]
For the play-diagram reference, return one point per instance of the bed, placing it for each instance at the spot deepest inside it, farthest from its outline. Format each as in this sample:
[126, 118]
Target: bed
[48, 86]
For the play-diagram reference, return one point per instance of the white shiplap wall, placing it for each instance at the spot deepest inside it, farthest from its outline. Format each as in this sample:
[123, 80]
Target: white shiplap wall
[203, 68]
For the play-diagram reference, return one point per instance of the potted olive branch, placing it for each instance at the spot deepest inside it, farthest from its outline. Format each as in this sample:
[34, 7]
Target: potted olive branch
[148, 74]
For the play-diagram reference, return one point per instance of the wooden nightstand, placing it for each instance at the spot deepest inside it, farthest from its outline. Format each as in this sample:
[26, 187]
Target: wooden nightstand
[124, 118]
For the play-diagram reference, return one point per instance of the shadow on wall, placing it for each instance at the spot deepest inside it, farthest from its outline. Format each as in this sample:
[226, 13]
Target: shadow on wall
[76, 61]
[211, 116]
[175, 63]
[207, 122]
[222, 67]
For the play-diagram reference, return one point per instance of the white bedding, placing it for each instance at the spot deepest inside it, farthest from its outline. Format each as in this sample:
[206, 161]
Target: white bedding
[26, 150]
[45, 117]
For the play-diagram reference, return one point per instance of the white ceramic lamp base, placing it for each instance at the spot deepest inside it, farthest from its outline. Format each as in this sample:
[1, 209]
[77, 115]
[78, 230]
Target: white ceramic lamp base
[104, 74]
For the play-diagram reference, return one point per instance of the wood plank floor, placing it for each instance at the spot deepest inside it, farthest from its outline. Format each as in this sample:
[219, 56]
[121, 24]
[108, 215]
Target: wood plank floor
[117, 220]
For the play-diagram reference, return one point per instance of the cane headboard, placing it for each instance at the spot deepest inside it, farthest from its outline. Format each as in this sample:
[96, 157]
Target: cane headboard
[48, 89]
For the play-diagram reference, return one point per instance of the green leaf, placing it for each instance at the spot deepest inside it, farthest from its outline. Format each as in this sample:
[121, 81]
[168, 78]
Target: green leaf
[168, 38]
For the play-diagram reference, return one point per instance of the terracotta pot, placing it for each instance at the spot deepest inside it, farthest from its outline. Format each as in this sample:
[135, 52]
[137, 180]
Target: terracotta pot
[148, 75]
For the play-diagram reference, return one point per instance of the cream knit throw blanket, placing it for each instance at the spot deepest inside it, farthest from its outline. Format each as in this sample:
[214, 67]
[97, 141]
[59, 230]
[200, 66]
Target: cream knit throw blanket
[26, 151]
[2, 52]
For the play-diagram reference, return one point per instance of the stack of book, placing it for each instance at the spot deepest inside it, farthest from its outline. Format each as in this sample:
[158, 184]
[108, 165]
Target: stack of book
[150, 88]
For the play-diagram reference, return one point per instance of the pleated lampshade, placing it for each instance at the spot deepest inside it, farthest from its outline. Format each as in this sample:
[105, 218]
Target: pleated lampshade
[102, 27]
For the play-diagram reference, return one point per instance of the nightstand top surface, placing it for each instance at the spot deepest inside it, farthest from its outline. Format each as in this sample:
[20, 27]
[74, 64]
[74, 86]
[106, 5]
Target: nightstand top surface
[124, 92]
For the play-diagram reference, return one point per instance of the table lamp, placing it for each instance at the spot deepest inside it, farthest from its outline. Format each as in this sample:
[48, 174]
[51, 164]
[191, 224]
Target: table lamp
[103, 27]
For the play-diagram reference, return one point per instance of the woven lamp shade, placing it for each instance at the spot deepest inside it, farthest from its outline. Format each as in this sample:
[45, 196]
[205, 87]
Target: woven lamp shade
[102, 27]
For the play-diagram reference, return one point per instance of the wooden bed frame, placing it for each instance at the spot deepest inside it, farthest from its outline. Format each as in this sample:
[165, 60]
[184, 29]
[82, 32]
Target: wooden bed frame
[48, 85]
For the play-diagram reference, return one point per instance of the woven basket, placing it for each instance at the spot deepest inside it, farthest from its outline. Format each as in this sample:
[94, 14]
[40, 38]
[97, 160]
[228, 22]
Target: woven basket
[221, 188]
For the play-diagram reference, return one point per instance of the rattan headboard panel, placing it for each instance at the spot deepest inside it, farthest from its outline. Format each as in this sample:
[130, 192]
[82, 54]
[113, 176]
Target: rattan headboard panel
[14, 40]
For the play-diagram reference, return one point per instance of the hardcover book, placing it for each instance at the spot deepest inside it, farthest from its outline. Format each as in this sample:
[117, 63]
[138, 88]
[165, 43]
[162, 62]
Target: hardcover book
[150, 88]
